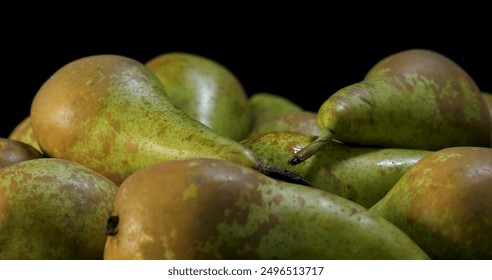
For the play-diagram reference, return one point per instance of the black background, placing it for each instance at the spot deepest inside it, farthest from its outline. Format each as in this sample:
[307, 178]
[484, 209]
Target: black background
[305, 60]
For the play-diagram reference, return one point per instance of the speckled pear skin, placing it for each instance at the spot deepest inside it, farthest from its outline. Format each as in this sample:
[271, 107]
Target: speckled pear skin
[488, 100]
[444, 203]
[23, 132]
[414, 99]
[53, 209]
[361, 174]
[111, 114]
[266, 106]
[304, 122]
[12, 151]
[214, 209]
[206, 90]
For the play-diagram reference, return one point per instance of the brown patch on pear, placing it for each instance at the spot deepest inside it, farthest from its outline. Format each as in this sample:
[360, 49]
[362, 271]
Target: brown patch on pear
[12, 151]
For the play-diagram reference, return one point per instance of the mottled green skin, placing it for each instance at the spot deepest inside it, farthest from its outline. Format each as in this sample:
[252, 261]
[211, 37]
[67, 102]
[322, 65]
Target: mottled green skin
[53, 209]
[12, 151]
[111, 114]
[414, 99]
[212, 209]
[23, 133]
[266, 106]
[488, 100]
[206, 90]
[361, 174]
[444, 203]
[304, 122]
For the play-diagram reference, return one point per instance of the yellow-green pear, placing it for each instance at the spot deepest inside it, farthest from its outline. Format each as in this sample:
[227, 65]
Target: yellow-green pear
[23, 132]
[111, 114]
[265, 106]
[206, 90]
[53, 209]
[304, 122]
[361, 174]
[444, 203]
[215, 209]
[414, 99]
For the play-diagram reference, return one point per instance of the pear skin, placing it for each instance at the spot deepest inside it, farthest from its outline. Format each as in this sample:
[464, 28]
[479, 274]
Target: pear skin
[488, 100]
[111, 114]
[206, 90]
[266, 106]
[12, 151]
[23, 132]
[53, 209]
[415, 99]
[444, 203]
[304, 122]
[361, 174]
[215, 209]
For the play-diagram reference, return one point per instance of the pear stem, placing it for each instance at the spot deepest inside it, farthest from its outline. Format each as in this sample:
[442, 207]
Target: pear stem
[312, 148]
[283, 175]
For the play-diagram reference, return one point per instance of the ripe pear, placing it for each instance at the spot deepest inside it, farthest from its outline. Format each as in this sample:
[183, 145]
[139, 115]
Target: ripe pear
[444, 203]
[361, 174]
[414, 99]
[488, 100]
[206, 90]
[304, 122]
[23, 132]
[111, 114]
[12, 151]
[265, 106]
[215, 209]
[53, 209]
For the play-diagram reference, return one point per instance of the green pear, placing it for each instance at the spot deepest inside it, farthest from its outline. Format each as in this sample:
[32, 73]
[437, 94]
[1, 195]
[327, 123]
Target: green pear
[488, 100]
[12, 151]
[111, 114]
[414, 99]
[215, 209]
[23, 132]
[361, 174]
[206, 90]
[304, 122]
[265, 106]
[53, 209]
[444, 203]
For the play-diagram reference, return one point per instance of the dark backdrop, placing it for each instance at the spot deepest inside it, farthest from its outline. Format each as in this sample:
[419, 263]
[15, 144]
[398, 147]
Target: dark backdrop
[305, 61]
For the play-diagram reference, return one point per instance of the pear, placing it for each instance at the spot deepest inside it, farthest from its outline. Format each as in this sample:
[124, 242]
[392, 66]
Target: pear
[12, 151]
[53, 209]
[266, 106]
[304, 122]
[215, 209]
[361, 174]
[111, 114]
[23, 132]
[206, 90]
[444, 203]
[414, 99]
[488, 100]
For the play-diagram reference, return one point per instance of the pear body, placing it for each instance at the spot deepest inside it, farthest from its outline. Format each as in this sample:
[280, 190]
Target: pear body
[215, 209]
[111, 114]
[53, 209]
[12, 151]
[206, 90]
[265, 106]
[444, 203]
[304, 122]
[361, 174]
[23, 132]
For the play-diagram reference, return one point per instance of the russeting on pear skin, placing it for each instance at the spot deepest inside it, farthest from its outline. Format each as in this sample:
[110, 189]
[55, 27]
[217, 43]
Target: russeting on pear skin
[216, 209]
[111, 114]
[415, 99]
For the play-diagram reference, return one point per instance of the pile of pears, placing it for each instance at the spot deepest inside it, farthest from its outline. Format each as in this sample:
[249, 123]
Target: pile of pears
[173, 159]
